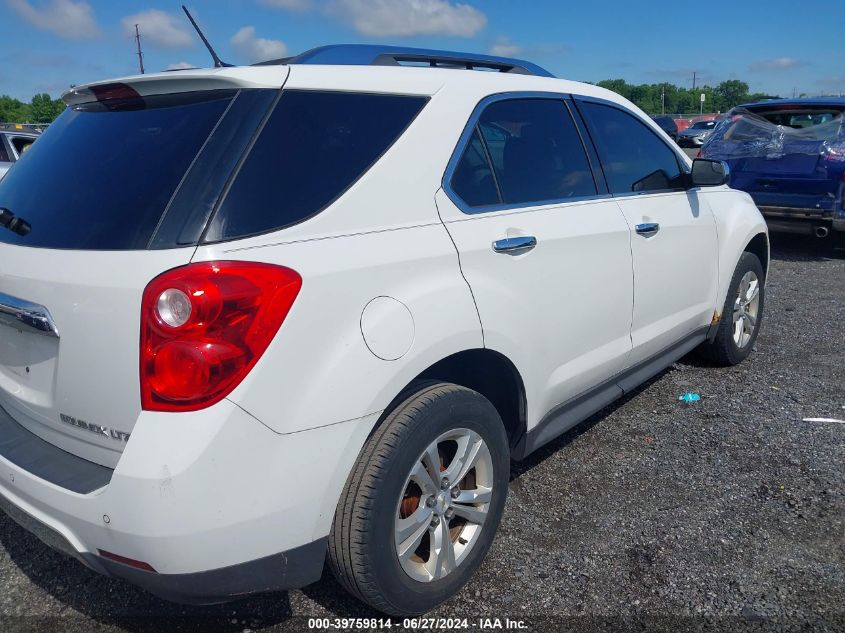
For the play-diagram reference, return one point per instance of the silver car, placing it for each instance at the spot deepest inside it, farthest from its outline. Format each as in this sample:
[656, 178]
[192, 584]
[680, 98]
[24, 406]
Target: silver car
[696, 134]
[14, 141]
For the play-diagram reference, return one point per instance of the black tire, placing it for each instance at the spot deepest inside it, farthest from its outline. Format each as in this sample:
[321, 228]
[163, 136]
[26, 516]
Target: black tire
[723, 349]
[362, 553]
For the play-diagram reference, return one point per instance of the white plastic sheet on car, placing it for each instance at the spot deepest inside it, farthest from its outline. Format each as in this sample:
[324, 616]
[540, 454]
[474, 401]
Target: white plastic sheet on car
[745, 134]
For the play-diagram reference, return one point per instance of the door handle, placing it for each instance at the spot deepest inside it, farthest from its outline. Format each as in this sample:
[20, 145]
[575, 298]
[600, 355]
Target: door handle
[515, 244]
[648, 229]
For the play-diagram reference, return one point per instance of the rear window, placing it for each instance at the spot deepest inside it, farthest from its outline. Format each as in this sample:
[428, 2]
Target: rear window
[102, 175]
[314, 146]
[800, 118]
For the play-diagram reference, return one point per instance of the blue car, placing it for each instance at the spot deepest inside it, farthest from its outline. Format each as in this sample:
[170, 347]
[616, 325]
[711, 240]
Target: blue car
[789, 155]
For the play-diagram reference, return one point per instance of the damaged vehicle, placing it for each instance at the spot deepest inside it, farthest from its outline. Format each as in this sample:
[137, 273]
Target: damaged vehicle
[789, 155]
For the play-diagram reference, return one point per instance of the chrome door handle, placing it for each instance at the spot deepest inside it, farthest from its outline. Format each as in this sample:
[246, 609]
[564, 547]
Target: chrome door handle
[648, 229]
[513, 244]
[24, 315]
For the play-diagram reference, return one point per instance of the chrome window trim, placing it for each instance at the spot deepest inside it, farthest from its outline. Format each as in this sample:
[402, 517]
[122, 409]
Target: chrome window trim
[467, 133]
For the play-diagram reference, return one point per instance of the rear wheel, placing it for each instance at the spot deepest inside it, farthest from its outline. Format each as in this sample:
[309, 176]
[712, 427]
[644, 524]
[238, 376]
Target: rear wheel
[741, 315]
[422, 506]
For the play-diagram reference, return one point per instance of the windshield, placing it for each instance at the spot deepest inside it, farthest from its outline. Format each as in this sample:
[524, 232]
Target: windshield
[704, 125]
[102, 175]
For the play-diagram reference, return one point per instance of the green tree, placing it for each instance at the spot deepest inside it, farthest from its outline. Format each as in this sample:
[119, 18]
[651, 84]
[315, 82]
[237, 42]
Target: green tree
[730, 93]
[12, 110]
[43, 109]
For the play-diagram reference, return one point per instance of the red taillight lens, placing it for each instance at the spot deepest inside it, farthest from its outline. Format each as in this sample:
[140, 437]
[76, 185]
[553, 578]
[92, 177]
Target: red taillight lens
[204, 326]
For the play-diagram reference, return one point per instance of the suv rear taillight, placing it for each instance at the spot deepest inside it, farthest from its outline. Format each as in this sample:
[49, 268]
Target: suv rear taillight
[204, 326]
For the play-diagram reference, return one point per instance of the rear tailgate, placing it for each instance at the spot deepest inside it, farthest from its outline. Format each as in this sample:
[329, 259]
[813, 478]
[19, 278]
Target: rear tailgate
[116, 192]
[77, 387]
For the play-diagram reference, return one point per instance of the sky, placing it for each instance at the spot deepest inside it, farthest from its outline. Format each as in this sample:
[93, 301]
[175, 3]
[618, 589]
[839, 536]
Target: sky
[775, 46]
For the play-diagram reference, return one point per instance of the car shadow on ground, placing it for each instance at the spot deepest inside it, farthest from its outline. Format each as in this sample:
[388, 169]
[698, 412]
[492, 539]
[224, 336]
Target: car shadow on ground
[805, 248]
[559, 443]
[113, 602]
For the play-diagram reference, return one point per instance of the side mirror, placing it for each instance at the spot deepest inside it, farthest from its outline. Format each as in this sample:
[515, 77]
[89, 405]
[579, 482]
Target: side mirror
[709, 173]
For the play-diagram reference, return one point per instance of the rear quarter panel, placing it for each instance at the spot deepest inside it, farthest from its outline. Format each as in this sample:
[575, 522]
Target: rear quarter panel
[319, 369]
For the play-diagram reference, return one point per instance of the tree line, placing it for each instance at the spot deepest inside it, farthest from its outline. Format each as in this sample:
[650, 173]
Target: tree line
[653, 98]
[41, 109]
[671, 99]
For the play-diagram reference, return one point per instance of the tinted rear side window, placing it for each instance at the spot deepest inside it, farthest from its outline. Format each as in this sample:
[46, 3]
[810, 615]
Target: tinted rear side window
[4, 155]
[473, 179]
[634, 158]
[313, 148]
[101, 176]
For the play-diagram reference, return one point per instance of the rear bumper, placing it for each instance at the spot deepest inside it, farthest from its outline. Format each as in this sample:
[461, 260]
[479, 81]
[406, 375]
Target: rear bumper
[216, 503]
[286, 570]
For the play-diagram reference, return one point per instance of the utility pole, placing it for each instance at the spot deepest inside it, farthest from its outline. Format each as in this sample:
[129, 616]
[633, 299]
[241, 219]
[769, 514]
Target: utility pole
[140, 53]
[693, 81]
[663, 99]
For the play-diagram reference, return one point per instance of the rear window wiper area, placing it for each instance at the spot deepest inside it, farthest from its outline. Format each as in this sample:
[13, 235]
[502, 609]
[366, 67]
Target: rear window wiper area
[14, 224]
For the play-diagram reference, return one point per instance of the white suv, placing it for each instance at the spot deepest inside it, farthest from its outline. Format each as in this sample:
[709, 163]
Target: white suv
[266, 315]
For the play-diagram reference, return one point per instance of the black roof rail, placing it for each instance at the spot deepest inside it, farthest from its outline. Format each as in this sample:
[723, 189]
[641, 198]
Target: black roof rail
[377, 55]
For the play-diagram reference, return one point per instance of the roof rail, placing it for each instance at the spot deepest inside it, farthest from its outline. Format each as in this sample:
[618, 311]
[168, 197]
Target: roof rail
[376, 55]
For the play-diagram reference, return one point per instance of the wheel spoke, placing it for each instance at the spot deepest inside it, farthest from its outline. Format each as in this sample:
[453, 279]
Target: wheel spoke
[743, 287]
[753, 291]
[409, 531]
[752, 320]
[477, 496]
[470, 513]
[422, 477]
[442, 551]
[431, 459]
[469, 447]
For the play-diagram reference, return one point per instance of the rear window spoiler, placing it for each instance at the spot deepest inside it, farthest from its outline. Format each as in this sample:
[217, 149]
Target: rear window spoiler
[192, 80]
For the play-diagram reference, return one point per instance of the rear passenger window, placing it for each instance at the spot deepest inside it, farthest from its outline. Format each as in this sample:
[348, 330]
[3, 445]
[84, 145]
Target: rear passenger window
[536, 153]
[4, 156]
[634, 158]
[314, 147]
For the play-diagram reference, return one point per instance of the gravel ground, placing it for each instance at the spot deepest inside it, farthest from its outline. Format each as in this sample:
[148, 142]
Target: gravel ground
[724, 515]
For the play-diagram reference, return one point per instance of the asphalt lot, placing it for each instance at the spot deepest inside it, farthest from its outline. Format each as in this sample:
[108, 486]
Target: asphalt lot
[724, 515]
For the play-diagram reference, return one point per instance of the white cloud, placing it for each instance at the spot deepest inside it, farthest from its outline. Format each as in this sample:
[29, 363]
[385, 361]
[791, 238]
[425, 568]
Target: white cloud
[159, 27]
[181, 66]
[407, 18]
[69, 19]
[504, 47]
[257, 49]
[778, 63]
[290, 5]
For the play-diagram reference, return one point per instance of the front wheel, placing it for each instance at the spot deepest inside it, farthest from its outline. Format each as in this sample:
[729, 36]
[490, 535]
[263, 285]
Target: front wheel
[742, 314]
[421, 508]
